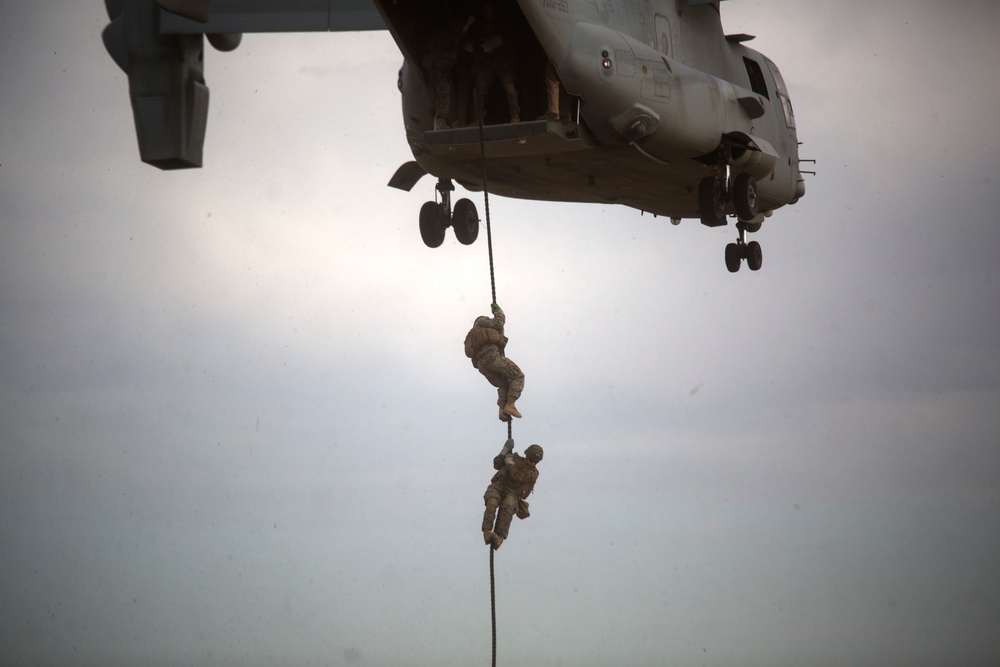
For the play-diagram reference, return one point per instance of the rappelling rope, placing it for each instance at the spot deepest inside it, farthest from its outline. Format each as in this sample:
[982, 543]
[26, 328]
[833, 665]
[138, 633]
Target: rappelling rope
[486, 193]
[480, 111]
[493, 607]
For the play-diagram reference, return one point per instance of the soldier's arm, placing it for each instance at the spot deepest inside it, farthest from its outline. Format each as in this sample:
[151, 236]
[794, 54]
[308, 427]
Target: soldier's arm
[508, 447]
[500, 318]
[500, 460]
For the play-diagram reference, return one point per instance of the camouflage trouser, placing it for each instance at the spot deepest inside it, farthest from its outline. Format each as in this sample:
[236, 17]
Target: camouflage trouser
[502, 374]
[439, 69]
[496, 498]
[508, 80]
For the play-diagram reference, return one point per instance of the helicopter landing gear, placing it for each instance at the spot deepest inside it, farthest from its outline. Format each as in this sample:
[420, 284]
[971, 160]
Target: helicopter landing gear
[712, 201]
[714, 192]
[465, 221]
[737, 252]
[433, 222]
[745, 197]
[436, 217]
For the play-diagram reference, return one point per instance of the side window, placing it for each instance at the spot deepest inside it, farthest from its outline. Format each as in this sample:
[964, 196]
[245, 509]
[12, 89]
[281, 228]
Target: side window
[786, 106]
[664, 36]
[757, 83]
[786, 103]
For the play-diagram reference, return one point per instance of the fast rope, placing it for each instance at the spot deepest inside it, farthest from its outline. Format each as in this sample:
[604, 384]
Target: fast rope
[486, 196]
[493, 607]
[480, 111]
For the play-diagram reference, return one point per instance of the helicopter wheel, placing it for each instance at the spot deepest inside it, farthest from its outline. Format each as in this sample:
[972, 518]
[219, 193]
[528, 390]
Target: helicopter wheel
[745, 197]
[711, 203]
[754, 256]
[433, 223]
[734, 257]
[465, 221]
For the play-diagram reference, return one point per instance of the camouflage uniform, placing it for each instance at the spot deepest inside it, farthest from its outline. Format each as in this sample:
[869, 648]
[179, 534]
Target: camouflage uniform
[514, 481]
[439, 64]
[497, 55]
[557, 107]
[485, 344]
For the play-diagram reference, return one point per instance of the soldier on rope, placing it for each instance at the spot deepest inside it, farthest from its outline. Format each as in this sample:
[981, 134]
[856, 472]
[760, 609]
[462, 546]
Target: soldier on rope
[484, 345]
[505, 496]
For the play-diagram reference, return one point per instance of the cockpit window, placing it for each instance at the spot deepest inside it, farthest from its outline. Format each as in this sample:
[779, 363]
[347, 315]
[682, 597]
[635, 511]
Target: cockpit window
[779, 83]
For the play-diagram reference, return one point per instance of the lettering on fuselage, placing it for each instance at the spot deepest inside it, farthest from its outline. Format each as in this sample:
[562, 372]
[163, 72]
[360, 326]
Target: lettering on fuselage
[559, 5]
[603, 8]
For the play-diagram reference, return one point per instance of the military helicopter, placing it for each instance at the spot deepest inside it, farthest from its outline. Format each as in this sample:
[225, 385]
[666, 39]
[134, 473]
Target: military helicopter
[644, 103]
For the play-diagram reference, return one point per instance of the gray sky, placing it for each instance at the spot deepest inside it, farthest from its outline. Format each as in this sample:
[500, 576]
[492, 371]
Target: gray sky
[237, 426]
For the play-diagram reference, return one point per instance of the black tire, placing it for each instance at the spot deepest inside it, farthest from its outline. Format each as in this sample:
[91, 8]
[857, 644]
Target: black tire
[755, 257]
[465, 222]
[710, 204]
[745, 197]
[432, 225]
[733, 257]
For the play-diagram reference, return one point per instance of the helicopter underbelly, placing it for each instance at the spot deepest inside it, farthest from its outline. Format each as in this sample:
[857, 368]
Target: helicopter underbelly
[560, 161]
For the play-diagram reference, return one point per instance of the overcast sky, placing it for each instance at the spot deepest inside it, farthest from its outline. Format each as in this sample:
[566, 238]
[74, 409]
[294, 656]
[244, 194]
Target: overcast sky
[237, 426]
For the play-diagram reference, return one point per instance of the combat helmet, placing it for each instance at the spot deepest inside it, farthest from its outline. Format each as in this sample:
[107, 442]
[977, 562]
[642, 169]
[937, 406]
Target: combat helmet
[533, 453]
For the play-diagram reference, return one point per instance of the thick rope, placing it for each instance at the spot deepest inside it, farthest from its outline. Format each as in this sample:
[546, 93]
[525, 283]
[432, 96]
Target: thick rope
[493, 607]
[480, 112]
[480, 108]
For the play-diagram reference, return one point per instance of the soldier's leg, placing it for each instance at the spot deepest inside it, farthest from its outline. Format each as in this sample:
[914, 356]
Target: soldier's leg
[489, 515]
[514, 380]
[502, 403]
[551, 92]
[508, 506]
[512, 375]
[492, 500]
[489, 369]
[483, 81]
[463, 90]
[509, 82]
[440, 73]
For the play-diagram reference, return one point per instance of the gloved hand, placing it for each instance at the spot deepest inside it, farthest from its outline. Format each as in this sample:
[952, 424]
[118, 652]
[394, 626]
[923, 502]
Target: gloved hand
[509, 460]
[494, 307]
[508, 447]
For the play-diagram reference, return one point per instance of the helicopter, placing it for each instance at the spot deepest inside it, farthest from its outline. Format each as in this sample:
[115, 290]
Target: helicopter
[643, 103]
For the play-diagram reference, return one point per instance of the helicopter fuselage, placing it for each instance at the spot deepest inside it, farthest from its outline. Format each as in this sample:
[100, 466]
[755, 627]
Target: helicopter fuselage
[654, 99]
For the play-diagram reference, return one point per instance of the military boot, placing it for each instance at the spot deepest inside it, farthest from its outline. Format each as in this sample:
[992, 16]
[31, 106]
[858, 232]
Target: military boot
[488, 536]
[510, 409]
[497, 541]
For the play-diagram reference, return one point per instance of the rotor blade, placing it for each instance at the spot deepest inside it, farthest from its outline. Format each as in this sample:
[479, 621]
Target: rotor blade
[195, 10]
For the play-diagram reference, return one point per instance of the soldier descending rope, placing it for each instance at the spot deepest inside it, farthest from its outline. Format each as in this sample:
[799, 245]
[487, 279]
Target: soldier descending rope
[485, 344]
[514, 481]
